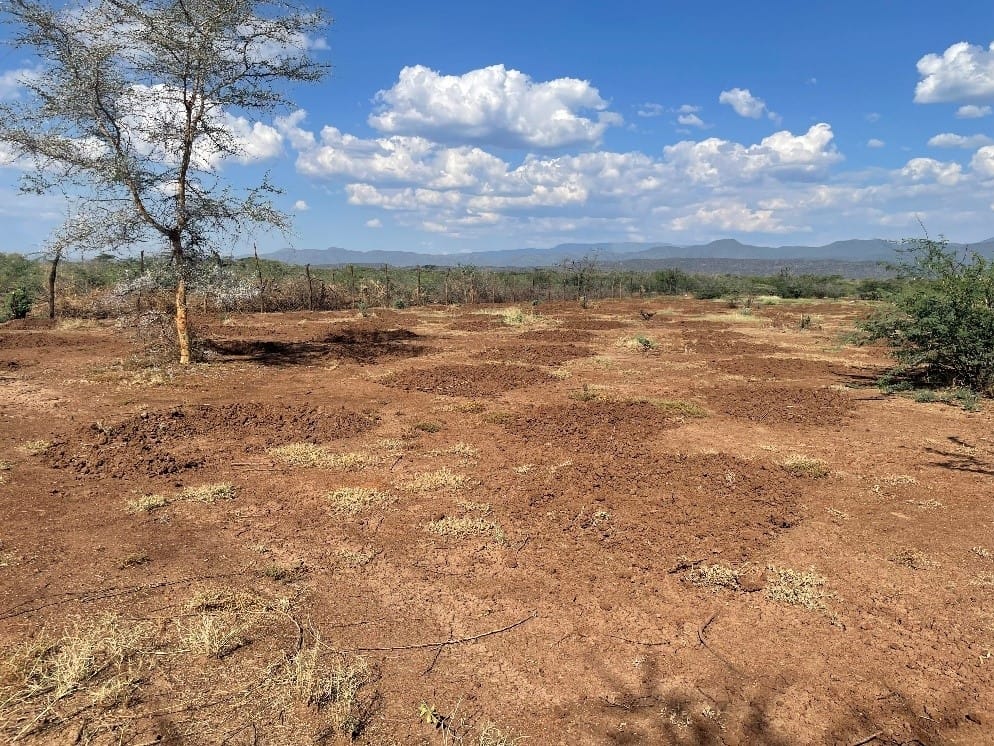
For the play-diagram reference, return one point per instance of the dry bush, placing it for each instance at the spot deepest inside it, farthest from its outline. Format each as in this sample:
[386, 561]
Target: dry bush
[311, 455]
[466, 526]
[147, 503]
[805, 466]
[912, 559]
[715, 577]
[208, 493]
[435, 481]
[805, 589]
[353, 500]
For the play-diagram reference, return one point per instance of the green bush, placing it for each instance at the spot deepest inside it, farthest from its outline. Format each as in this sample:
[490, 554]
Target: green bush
[19, 304]
[941, 326]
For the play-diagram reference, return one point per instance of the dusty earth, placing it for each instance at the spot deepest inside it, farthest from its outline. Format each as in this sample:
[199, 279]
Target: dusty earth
[721, 534]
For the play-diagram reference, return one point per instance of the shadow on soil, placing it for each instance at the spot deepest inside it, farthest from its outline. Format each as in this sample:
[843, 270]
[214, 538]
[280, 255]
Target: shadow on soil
[687, 714]
[354, 345]
[961, 461]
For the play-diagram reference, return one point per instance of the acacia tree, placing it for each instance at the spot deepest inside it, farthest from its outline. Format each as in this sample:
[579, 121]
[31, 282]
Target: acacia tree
[136, 106]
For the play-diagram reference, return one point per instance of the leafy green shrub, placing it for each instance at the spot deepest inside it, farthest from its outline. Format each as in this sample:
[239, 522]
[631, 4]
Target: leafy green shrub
[941, 326]
[20, 303]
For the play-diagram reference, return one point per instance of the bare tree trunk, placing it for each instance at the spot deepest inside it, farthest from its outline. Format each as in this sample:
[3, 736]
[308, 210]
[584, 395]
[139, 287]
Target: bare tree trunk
[419, 286]
[52, 274]
[310, 288]
[182, 325]
[352, 284]
[141, 276]
[262, 282]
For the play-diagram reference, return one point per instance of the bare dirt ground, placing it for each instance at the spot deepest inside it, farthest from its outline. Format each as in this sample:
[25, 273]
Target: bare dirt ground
[432, 526]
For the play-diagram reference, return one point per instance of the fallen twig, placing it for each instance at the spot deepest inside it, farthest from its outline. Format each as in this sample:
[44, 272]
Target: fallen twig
[112, 592]
[640, 642]
[871, 737]
[450, 641]
[700, 637]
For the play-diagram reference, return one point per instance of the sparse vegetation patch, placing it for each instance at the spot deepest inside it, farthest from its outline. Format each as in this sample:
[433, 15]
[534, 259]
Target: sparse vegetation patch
[795, 587]
[435, 481]
[353, 500]
[805, 466]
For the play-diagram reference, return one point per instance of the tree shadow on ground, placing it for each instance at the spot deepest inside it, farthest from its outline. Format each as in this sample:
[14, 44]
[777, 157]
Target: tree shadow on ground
[709, 707]
[363, 346]
[959, 461]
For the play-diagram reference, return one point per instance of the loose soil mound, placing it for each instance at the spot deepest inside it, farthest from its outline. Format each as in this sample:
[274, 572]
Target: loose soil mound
[558, 335]
[773, 405]
[476, 324]
[467, 380]
[699, 505]
[714, 340]
[592, 425]
[536, 354]
[774, 368]
[356, 344]
[592, 324]
[29, 340]
[170, 441]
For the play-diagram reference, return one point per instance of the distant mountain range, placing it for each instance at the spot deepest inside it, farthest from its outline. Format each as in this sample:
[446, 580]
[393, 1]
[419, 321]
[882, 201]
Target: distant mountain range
[853, 258]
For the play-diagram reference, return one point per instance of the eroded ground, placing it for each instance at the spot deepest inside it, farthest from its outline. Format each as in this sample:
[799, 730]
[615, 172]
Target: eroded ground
[578, 526]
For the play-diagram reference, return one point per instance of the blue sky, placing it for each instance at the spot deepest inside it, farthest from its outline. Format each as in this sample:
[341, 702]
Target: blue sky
[454, 126]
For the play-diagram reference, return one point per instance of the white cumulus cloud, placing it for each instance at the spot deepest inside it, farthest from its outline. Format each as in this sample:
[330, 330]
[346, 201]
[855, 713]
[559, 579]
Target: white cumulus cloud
[983, 162]
[929, 169]
[950, 140]
[964, 72]
[649, 110]
[874, 142]
[691, 120]
[301, 206]
[746, 105]
[374, 223]
[972, 111]
[493, 105]
[783, 155]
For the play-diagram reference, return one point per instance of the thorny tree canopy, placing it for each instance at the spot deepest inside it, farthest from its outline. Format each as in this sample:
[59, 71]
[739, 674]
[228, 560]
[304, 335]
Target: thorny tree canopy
[136, 104]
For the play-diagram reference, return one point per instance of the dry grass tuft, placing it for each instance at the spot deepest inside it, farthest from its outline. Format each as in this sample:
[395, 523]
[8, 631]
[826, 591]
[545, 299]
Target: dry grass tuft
[895, 480]
[679, 407]
[797, 588]
[499, 418]
[736, 317]
[311, 455]
[458, 449]
[467, 526]
[36, 447]
[805, 466]
[4, 466]
[714, 577]
[912, 559]
[147, 503]
[289, 572]
[357, 558]
[208, 493]
[95, 664]
[435, 481]
[639, 342]
[982, 552]
[134, 560]
[491, 735]
[214, 635]
[428, 426]
[587, 393]
[353, 500]
[226, 600]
